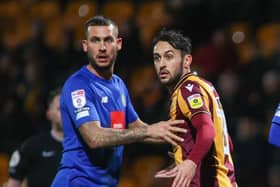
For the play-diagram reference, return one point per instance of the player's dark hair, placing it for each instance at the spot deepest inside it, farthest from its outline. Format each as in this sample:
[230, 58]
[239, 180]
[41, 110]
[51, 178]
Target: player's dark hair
[99, 21]
[176, 39]
[52, 95]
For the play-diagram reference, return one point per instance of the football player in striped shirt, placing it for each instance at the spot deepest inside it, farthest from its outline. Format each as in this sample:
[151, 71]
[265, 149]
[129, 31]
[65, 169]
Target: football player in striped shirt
[204, 158]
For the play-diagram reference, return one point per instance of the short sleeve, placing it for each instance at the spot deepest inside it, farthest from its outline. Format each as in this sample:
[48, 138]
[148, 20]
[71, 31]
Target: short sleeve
[192, 99]
[20, 161]
[77, 100]
[131, 114]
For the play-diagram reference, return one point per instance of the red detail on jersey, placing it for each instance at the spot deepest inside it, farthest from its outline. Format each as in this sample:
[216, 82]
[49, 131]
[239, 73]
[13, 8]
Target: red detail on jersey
[117, 120]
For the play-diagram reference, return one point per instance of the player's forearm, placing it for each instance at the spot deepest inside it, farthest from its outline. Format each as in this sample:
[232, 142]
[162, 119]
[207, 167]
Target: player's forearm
[147, 139]
[104, 137]
[204, 137]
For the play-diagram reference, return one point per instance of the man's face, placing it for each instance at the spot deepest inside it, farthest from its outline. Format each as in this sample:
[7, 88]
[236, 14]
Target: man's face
[168, 63]
[102, 46]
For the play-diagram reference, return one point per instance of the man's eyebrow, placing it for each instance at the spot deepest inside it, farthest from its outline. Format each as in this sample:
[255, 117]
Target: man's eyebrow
[169, 51]
[94, 37]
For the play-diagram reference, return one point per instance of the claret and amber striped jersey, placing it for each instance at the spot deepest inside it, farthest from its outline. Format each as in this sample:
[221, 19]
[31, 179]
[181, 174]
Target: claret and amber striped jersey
[193, 95]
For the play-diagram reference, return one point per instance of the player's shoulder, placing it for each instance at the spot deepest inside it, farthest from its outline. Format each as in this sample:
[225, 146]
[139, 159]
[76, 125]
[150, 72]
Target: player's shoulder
[190, 85]
[76, 80]
[77, 77]
[38, 137]
[117, 79]
[36, 140]
[194, 83]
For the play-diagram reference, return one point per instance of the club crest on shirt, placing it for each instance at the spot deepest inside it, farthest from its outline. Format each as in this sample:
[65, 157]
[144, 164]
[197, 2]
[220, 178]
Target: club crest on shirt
[78, 98]
[195, 101]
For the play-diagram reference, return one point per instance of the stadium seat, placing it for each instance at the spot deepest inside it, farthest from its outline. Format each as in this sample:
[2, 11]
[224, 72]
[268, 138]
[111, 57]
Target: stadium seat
[4, 168]
[119, 11]
[10, 9]
[148, 75]
[76, 13]
[150, 17]
[44, 10]
[18, 32]
[268, 38]
[54, 32]
[242, 37]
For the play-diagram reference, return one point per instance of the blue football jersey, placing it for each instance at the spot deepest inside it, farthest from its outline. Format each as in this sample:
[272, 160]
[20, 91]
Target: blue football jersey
[86, 97]
[274, 133]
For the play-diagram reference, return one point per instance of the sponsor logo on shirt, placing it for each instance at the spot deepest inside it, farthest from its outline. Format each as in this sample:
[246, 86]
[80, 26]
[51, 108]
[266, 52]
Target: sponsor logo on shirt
[189, 87]
[117, 120]
[104, 99]
[78, 98]
[195, 101]
[81, 112]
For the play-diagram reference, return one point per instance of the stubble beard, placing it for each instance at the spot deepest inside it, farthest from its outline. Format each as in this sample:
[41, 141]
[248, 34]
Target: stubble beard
[173, 80]
[171, 83]
[101, 69]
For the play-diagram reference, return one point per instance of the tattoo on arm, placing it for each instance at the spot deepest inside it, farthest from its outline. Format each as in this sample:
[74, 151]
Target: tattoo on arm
[111, 137]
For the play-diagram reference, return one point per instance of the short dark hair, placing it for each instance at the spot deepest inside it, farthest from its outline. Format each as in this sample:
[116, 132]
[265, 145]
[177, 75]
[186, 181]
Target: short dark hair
[52, 95]
[99, 21]
[175, 38]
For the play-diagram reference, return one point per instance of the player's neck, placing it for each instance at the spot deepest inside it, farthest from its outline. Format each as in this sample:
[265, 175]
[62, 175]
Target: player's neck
[57, 135]
[106, 74]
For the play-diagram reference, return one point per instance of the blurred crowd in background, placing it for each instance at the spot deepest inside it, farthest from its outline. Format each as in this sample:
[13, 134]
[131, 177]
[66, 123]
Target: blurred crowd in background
[236, 45]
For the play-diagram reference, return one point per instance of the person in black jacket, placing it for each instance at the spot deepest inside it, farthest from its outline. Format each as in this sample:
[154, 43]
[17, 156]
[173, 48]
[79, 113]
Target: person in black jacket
[38, 157]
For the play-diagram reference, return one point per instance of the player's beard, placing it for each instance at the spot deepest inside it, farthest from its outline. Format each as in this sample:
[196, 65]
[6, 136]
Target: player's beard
[171, 83]
[99, 68]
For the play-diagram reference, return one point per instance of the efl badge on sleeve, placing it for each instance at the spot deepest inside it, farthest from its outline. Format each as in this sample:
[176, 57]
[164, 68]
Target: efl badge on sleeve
[195, 101]
[78, 98]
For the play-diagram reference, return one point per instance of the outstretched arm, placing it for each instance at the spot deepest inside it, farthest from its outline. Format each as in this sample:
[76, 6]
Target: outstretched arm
[161, 132]
[96, 136]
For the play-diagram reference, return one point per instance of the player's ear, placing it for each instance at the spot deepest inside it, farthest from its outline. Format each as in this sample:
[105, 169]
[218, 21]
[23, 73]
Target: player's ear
[187, 60]
[119, 43]
[85, 45]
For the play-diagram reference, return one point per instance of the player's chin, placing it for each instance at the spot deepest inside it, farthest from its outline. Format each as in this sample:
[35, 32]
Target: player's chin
[164, 81]
[104, 65]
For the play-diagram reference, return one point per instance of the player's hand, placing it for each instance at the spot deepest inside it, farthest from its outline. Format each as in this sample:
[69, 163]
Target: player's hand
[183, 173]
[167, 131]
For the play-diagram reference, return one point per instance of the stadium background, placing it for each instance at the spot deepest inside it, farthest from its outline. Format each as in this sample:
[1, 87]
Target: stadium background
[236, 45]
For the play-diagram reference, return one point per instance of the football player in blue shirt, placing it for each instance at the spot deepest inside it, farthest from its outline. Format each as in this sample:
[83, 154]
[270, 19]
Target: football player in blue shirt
[274, 133]
[98, 116]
